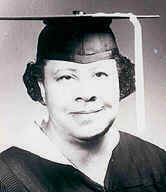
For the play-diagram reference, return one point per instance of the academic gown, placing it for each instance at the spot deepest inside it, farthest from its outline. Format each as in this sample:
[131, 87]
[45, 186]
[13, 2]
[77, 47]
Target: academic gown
[135, 166]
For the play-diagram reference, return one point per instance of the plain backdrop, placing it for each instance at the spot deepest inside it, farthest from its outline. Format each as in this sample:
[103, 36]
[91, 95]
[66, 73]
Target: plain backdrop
[18, 41]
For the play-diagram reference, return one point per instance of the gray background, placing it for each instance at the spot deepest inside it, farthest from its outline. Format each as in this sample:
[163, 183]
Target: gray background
[18, 46]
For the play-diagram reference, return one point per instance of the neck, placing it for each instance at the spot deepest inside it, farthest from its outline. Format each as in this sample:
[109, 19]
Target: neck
[81, 152]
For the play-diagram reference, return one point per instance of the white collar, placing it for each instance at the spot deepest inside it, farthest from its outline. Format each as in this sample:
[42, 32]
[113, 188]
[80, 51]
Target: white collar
[38, 143]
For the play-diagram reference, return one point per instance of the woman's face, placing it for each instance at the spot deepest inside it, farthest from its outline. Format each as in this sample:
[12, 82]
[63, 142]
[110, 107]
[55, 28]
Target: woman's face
[82, 99]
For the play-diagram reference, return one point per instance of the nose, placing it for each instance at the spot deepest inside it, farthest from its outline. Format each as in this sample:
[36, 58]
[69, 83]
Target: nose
[86, 99]
[86, 91]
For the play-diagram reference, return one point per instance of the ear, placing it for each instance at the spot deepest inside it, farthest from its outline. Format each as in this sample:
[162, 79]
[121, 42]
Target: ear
[43, 93]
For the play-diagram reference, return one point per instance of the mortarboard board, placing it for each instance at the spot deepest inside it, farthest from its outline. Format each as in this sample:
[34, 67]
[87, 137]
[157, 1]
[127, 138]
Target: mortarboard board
[103, 20]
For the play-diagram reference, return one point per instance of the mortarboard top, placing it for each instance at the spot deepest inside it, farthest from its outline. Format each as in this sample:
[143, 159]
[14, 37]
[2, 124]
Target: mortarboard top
[78, 15]
[81, 17]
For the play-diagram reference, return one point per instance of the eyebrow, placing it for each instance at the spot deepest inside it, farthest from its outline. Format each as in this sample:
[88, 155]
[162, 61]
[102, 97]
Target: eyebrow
[66, 69]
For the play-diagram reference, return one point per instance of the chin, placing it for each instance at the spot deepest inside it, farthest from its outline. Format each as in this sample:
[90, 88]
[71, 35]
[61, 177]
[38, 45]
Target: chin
[92, 132]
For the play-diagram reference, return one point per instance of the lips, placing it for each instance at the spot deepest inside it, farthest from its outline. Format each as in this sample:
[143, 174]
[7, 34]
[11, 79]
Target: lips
[86, 111]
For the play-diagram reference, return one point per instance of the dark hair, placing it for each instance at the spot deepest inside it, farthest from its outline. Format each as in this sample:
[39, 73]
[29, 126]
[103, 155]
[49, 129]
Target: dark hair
[35, 73]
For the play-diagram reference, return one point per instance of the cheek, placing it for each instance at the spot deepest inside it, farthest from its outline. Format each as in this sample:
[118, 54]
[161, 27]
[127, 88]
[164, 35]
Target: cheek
[109, 90]
[58, 96]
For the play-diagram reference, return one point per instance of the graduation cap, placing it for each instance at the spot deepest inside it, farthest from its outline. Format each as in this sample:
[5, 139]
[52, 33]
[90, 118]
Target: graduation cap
[86, 38]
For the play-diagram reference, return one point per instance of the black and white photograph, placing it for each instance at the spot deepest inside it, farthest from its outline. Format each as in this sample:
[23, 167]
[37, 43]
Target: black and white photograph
[83, 96]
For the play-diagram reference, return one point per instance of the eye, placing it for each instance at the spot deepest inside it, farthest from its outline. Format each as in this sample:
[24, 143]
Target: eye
[64, 77]
[101, 74]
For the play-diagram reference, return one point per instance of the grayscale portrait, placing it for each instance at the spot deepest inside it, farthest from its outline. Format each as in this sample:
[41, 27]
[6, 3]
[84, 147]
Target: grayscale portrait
[82, 96]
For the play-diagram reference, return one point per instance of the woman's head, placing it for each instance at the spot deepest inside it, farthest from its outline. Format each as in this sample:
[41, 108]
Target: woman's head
[81, 76]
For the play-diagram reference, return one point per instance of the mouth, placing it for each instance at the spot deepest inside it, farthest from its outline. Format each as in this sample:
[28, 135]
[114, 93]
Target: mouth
[86, 112]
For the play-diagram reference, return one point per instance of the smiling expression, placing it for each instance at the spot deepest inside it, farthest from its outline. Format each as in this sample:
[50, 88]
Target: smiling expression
[82, 99]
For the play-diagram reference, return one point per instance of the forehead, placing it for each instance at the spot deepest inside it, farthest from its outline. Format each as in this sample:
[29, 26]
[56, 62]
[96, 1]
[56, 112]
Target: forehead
[58, 65]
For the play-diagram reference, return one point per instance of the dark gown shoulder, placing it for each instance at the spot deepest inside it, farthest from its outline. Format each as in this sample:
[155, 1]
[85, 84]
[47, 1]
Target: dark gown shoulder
[143, 149]
[135, 166]
[22, 170]
[138, 163]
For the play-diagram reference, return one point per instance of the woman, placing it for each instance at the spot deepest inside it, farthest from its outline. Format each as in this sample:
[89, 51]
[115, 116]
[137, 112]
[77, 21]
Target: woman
[80, 77]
